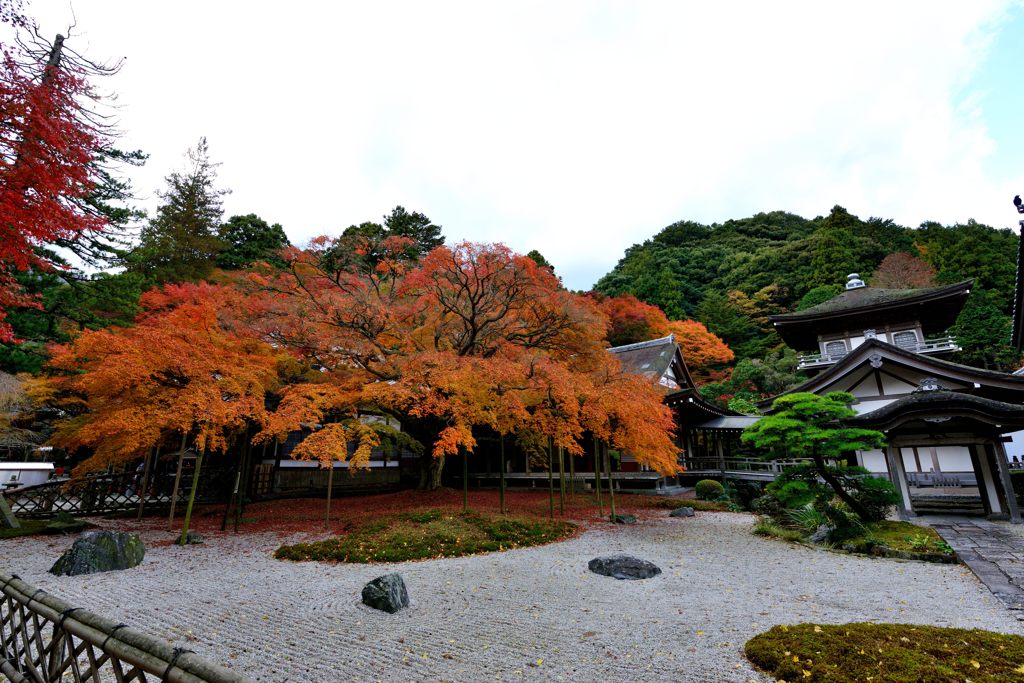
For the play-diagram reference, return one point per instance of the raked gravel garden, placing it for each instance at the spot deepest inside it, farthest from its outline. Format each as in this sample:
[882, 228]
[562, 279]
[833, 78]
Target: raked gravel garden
[532, 614]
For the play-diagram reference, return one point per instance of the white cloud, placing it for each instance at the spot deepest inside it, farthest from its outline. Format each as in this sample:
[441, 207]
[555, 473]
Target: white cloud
[573, 128]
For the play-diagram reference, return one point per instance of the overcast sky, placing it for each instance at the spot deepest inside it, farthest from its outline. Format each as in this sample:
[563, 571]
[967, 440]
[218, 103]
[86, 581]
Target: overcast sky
[576, 129]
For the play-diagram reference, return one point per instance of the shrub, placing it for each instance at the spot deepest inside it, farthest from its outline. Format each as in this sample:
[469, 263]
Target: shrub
[767, 505]
[807, 518]
[766, 527]
[709, 489]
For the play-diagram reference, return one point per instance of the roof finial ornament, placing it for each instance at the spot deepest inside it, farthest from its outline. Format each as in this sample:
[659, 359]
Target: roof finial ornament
[853, 281]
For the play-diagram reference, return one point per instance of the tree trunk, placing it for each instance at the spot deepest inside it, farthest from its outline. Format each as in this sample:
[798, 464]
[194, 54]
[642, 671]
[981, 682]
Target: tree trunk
[430, 471]
[501, 474]
[231, 499]
[611, 482]
[144, 484]
[177, 481]
[597, 477]
[191, 497]
[844, 496]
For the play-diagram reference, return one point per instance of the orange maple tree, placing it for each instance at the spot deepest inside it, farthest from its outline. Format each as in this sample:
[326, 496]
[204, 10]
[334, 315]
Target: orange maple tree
[180, 370]
[704, 351]
[473, 336]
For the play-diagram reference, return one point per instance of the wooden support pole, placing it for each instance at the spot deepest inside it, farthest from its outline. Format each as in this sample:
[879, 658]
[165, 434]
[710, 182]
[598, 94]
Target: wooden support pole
[501, 474]
[177, 480]
[597, 477]
[191, 498]
[465, 480]
[330, 490]
[144, 484]
[561, 481]
[551, 482]
[611, 481]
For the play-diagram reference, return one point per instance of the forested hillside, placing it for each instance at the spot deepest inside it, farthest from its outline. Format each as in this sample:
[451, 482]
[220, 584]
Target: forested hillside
[732, 276]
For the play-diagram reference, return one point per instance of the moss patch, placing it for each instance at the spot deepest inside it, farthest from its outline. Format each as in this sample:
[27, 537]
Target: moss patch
[429, 534]
[886, 653]
[62, 524]
[676, 503]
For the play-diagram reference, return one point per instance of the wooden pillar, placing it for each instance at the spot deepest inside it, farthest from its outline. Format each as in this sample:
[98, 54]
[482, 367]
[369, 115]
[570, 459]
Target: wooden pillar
[986, 480]
[1003, 468]
[898, 475]
[978, 463]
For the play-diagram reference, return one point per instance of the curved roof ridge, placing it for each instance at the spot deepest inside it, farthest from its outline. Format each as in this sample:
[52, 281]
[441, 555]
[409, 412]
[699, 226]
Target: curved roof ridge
[863, 297]
[671, 338]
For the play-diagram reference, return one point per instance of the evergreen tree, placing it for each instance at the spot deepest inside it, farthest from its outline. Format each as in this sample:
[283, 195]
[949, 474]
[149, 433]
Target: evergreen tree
[181, 242]
[248, 239]
[416, 226]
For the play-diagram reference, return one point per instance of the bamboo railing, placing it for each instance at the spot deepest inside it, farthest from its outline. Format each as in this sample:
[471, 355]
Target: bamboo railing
[45, 640]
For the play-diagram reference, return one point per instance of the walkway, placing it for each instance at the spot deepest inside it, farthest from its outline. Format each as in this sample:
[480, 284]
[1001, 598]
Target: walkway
[994, 551]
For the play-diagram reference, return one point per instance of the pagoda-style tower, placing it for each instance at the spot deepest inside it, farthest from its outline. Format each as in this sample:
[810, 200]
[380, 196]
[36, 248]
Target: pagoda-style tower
[912, 319]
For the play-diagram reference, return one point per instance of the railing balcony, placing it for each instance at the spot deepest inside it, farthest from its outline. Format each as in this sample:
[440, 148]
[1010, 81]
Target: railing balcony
[820, 360]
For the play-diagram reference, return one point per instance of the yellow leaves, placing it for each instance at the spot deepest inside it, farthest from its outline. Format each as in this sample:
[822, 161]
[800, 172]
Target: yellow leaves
[1019, 669]
[976, 664]
[817, 629]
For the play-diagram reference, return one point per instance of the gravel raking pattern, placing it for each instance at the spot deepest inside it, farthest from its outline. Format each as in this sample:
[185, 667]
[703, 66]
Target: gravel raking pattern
[535, 614]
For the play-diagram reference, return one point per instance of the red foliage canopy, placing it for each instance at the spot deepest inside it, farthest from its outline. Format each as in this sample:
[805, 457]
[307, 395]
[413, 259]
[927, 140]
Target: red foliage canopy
[46, 146]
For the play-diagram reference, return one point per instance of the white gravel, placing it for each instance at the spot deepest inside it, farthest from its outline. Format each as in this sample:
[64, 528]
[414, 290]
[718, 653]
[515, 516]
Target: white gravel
[535, 614]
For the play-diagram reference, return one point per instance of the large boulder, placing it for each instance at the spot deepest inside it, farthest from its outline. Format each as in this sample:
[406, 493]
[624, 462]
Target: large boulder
[682, 512]
[100, 551]
[623, 567]
[386, 593]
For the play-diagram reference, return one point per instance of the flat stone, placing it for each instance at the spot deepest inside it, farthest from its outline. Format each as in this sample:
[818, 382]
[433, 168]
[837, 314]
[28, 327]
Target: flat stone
[682, 512]
[623, 567]
[386, 593]
[622, 519]
[100, 551]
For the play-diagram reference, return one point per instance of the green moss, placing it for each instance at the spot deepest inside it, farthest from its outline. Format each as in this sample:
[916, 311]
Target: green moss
[676, 503]
[429, 534]
[27, 527]
[884, 653]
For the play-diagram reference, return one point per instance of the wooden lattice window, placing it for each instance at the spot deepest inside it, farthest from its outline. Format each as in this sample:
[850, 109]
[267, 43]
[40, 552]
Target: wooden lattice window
[906, 339]
[835, 349]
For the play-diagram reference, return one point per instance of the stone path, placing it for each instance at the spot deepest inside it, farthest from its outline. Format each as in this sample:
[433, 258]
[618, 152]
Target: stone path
[994, 551]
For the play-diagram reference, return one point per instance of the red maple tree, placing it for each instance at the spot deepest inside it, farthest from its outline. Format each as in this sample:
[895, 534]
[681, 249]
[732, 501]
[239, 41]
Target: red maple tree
[47, 142]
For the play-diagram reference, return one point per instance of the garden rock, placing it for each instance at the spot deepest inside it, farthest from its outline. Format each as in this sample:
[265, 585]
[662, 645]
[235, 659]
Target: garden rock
[820, 534]
[622, 519]
[191, 538]
[386, 593]
[682, 512]
[623, 567]
[100, 551]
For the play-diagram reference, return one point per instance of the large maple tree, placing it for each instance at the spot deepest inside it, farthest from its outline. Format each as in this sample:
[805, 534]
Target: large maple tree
[472, 336]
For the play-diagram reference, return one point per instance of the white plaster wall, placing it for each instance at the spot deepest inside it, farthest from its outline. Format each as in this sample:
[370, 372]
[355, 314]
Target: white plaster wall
[910, 464]
[855, 342]
[873, 461]
[867, 406]
[954, 459]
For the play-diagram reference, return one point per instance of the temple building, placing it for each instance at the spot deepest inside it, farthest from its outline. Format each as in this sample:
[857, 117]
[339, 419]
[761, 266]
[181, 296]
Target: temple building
[946, 423]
